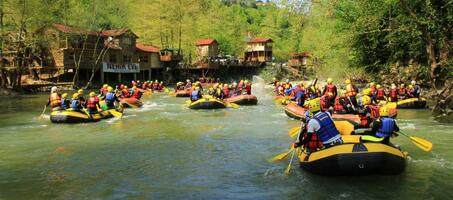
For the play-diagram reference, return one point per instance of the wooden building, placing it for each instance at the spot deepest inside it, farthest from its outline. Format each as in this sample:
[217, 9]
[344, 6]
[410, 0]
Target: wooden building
[298, 59]
[207, 53]
[113, 55]
[258, 50]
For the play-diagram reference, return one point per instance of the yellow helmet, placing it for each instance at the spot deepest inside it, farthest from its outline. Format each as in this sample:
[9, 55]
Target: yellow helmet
[211, 89]
[343, 92]
[246, 81]
[372, 84]
[366, 100]
[314, 105]
[329, 80]
[92, 94]
[125, 86]
[378, 86]
[105, 86]
[347, 81]
[274, 78]
[197, 88]
[80, 91]
[64, 95]
[75, 95]
[110, 89]
[301, 83]
[384, 111]
[367, 92]
[411, 86]
[134, 87]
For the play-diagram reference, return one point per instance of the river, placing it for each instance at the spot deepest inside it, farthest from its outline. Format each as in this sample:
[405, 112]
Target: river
[167, 151]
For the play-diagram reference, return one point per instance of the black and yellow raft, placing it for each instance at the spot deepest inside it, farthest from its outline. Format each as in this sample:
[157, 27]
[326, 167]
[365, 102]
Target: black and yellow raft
[207, 103]
[355, 157]
[72, 117]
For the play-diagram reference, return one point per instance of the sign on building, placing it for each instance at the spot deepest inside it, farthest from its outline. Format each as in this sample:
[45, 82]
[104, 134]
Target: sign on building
[121, 68]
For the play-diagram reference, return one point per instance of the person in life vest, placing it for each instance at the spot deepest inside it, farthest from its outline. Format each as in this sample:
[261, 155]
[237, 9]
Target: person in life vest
[93, 103]
[416, 89]
[322, 125]
[188, 84]
[342, 104]
[385, 126]
[125, 92]
[133, 83]
[351, 92]
[161, 86]
[211, 91]
[179, 86]
[136, 93]
[65, 102]
[402, 92]
[373, 92]
[280, 90]
[330, 87]
[325, 101]
[111, 98]
[274, 82]
[155, 86]
[54, 99]
[196, 94]
[103, 91]
[139, 84]
[287, 90]
[226, 90]
[76, 105]
[299, 96]
[365, 112]
[311, 91]
[240, 87]
[248, 87]
[393, 94]
[219, 92]
[82, 97]
[380, 93]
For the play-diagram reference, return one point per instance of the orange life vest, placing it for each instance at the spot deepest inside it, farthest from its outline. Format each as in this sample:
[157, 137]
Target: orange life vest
[380, 93]
[55, 100]
[338, 106]
[351, 91]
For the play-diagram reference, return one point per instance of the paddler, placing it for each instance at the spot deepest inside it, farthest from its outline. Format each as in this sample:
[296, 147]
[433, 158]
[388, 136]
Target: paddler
[226, 90]
[325, 101]
[402, 92]
[385, 126]
[76, 105]
[188, 84]
[65, 102]
[351, 92]
[322, 125]
[196, 94]
[103, 91]
[248, 87]
[330, 87]
[211, 91]
[111, 98]
[136, 93]
[299, 96]
[54, 99]
[219, 92]
[380, 93]
[81, 97]
[416, 89]
[93, 103]
[393, 94]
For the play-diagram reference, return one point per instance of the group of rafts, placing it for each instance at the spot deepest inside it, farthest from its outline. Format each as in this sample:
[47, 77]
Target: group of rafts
[215, 95]
[360, 154]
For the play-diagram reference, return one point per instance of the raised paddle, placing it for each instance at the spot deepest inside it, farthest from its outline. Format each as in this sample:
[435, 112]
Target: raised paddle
[423, 144]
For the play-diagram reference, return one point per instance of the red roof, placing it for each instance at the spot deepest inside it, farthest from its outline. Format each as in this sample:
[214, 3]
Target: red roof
[260, 40]
[205, 42]
[147, 48]
[115, 33]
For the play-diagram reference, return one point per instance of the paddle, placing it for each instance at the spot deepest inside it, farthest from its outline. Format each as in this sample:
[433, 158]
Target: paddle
[288, 169]
[423, 144]
[231, 105]
[87, 113]
[166, 90]
[282, 155]
[115, 113]
[42, 113]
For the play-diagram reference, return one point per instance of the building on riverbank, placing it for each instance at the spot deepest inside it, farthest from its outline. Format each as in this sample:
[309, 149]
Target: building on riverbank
[113, 55]
[207, 53]
[258, 50]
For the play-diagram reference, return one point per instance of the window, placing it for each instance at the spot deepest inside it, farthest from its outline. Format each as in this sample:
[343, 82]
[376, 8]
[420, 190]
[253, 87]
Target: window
[144, 58]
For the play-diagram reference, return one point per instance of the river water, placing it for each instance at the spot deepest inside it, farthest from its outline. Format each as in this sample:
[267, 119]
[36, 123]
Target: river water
[166, 151]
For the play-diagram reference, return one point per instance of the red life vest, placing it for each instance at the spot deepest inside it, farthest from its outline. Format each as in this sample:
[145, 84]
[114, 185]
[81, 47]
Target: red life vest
[374, 111]
[248, 87]
[338, 106]
[91, 103]
[393, 93]
[403, 91]
[324, 103]
[137, 94]
[55, 100]
[330, 88]
[226, 92]
[125, 93]
[314, 142]
[380, 93]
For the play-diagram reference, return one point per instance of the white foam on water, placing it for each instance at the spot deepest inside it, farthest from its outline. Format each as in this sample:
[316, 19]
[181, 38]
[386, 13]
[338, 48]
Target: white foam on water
[406, 126]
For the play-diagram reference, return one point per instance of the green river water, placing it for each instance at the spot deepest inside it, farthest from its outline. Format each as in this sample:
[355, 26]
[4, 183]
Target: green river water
[167, 151]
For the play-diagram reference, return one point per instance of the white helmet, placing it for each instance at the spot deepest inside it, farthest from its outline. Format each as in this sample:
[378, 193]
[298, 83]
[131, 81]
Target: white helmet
[53, 89]
[413, 82]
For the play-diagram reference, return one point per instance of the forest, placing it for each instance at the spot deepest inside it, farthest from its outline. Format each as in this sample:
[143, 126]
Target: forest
[377, 39]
